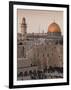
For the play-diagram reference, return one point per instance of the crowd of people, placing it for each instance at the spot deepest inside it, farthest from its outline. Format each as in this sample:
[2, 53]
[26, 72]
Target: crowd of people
[51, 72]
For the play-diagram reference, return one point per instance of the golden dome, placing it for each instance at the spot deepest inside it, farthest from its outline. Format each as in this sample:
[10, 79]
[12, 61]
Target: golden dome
[54, 27]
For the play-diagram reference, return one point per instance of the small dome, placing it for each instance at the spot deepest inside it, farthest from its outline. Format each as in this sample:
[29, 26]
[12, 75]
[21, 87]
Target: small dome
[54, 27]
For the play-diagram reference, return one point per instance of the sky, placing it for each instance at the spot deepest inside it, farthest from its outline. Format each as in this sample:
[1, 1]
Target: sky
[38, 20]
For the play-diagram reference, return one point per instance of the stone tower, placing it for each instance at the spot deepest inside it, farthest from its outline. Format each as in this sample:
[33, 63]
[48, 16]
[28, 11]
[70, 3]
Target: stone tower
[23, 26]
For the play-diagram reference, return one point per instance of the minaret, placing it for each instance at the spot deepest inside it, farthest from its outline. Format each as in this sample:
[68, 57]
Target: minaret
[24, 32]
[23, 26]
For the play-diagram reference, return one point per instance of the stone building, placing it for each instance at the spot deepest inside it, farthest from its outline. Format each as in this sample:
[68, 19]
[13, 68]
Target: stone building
[39, 51]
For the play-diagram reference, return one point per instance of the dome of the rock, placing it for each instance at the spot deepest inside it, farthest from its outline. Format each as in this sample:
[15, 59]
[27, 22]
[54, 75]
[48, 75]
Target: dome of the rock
[54, 27]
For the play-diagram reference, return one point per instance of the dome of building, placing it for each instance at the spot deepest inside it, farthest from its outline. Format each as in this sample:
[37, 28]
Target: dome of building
[54, 27]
